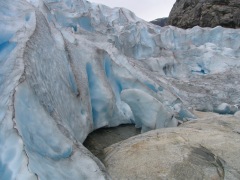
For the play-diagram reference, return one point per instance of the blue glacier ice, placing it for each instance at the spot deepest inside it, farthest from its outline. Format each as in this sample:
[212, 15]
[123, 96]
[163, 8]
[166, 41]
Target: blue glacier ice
[69, 67]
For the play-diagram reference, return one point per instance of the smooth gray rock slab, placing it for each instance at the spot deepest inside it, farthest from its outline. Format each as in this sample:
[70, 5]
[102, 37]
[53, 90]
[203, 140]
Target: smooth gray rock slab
[203, 149]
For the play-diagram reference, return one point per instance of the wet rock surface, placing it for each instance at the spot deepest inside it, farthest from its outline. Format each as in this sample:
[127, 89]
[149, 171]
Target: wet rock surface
[205, 13]
[203, 149]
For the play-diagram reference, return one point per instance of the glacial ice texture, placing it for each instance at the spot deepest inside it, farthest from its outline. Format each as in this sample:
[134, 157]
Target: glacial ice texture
[70, 67]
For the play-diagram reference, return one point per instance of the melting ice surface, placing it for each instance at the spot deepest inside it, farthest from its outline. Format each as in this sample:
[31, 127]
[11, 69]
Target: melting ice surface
[69, 67]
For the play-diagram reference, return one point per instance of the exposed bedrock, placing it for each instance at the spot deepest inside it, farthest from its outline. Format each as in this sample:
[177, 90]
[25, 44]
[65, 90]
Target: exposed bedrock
[204, 149]
[205, 13]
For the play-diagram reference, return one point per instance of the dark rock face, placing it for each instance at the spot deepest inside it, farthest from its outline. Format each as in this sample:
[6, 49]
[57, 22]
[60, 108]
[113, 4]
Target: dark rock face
[160, 21]
[205, 13]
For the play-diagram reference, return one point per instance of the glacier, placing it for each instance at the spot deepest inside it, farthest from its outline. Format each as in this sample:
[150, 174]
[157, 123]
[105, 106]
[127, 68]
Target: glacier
[69, 67]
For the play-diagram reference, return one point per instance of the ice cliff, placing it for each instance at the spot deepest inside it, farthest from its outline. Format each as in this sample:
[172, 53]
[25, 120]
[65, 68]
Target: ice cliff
[68, 67]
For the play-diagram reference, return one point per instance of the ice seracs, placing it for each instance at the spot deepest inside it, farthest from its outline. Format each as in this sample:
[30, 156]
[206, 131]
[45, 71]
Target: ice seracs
[149, 113]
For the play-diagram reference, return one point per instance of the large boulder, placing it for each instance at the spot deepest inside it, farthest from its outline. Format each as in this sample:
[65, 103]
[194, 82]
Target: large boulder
[203, 149]
[205, 13]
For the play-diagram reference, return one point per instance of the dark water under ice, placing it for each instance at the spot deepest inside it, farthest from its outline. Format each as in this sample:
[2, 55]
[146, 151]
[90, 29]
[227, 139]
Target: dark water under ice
[104, 137]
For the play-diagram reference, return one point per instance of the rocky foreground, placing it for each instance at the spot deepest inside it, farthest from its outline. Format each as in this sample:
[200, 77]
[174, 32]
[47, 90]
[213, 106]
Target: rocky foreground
[207, 148]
